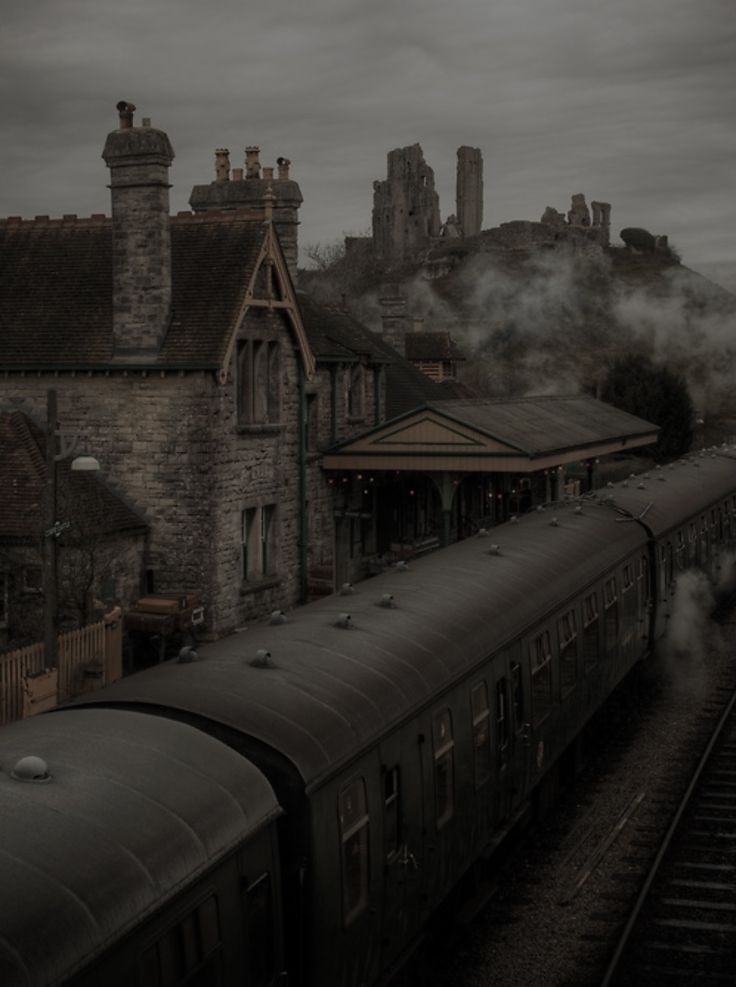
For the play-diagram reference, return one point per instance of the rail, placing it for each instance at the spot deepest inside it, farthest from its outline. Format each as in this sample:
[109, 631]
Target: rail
[627, 936]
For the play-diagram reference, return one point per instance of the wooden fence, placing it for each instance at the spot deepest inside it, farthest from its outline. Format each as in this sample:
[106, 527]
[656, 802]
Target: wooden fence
[88, 658]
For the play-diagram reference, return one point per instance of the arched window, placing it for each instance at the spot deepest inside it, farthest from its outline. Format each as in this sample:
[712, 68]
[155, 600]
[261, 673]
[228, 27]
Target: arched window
[258, 382]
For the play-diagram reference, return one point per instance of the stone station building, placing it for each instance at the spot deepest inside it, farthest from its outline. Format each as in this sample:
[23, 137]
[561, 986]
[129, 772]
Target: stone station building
[267, 444]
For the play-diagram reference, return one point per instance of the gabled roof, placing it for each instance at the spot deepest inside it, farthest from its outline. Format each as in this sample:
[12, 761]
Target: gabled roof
[335, 334]
[477, 435]
[22, 482]
[56, 289]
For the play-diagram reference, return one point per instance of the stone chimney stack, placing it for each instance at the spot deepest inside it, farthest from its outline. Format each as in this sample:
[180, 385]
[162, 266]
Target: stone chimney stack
[222, 164]
[139, 159]
[283, 200]
[393, 317]
[252, 164]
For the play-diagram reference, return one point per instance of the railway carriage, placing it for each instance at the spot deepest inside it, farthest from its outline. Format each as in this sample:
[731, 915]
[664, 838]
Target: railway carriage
[134, 850]
[405, 726]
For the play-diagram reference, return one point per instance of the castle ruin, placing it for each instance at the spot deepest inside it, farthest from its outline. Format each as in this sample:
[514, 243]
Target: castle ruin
[406, 207]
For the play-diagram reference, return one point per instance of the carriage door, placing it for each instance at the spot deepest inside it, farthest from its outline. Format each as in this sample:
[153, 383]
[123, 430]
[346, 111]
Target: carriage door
[511, 730]
[402, 846]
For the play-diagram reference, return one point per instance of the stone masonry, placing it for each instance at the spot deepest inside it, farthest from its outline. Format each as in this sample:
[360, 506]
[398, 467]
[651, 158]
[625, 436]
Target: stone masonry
[406, 211]
[139, 160]
[469, 193]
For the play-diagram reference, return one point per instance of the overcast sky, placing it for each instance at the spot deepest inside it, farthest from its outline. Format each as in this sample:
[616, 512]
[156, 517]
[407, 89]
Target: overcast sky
[628, 101]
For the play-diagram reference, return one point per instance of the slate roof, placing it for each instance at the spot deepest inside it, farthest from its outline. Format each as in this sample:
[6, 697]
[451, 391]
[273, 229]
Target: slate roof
[432, 346]
[22, 481]
[56, 289]
[546, 424]
[335, 335]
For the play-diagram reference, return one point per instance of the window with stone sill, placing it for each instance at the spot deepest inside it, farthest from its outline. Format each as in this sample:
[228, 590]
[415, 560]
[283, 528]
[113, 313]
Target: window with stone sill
[257, 543]
[258, 382]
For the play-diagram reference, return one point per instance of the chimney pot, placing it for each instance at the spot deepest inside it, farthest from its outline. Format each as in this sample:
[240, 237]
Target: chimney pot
[237, 174]
[283, 165]
[268, 174]
[126, 111]
[146, 122]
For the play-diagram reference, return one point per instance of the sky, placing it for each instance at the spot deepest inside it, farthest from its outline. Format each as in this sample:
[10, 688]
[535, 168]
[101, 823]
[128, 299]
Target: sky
[627, 101]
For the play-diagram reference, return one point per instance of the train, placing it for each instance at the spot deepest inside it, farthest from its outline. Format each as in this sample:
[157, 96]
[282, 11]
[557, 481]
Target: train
[295, 805]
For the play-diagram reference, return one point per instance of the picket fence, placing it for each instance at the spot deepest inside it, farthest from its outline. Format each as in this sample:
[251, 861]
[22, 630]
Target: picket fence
[88, 658]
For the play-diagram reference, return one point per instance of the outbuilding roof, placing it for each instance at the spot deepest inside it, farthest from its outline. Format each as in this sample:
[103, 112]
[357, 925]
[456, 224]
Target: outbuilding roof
[23, 479]
[478, 435]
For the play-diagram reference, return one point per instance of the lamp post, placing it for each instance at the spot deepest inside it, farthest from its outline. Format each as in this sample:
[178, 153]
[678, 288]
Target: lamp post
[52, 528]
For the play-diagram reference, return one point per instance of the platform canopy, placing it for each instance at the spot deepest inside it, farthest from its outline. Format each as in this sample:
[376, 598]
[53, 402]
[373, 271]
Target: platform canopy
[481, 436]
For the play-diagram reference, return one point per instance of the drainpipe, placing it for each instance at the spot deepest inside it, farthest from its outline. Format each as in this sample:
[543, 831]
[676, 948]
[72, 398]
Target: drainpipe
[302, 486]
[333, 405]
[377, 395]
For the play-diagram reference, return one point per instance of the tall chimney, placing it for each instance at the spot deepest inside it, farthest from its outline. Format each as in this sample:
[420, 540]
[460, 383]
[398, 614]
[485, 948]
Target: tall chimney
[252, 164]
[139, 159]
[222, 164]
[393, 317]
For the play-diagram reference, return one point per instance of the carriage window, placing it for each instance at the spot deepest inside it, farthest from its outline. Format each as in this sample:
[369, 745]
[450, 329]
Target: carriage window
[443, 767]
[680, 550]
[391, 818]
[567, 632]
[353, 809]
[189, 953]
[502, 721]
[541, 663]
[611, 608]
[481, 733]
[517, 695]
[260, 931]
[590, 630]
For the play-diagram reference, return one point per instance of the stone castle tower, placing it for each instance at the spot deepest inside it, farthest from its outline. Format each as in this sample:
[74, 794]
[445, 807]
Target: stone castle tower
[469, 190]
[406, 207]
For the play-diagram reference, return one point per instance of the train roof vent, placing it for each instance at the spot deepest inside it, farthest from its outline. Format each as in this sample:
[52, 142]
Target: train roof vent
[387, 600]
[347, 589]
[186, 655]
[402, 566]
[494, 549]
[31, 768]
[671, 466]
[514, 519]
[482, 532]
[262, 659]
[540, 508]
[554, 522]
[578, 508]
[641, 486]
[343, 620]
[277, 617]
[609, 484]
[625, 483]
[661, 478]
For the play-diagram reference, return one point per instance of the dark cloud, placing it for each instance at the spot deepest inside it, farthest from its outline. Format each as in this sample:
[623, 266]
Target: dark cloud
[628, 102]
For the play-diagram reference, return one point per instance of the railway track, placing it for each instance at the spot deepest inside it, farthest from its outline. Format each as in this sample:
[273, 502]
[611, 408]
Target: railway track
[682, 928]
